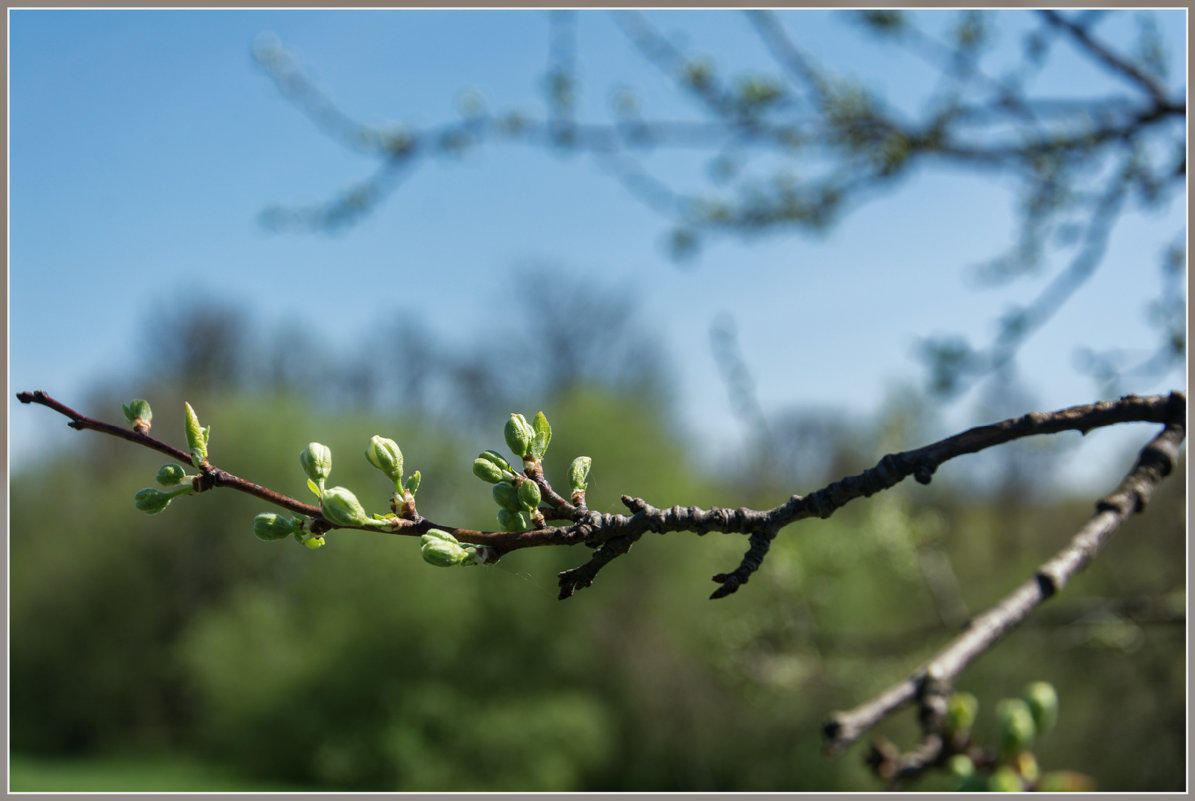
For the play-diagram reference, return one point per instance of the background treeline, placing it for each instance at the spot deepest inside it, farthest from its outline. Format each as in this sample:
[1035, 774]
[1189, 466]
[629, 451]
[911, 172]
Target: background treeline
[360, 667]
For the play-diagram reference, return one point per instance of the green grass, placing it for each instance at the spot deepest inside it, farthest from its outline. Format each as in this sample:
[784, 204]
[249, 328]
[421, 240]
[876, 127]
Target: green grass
[153, 773]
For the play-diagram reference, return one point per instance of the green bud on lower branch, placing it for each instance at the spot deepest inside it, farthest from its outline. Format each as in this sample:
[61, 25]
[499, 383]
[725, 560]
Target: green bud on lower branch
[139, 415]
[1043, 705]
[519, 435]
[1005, 780]
[170, 475]
[384, 454]
[961, 766]
[197, 437]
[270, 526]
[961, 710]
[1016, 726]
[316, 460]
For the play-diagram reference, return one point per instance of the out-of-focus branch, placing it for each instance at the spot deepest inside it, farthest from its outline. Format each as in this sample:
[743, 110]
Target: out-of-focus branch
[1106, 56]
[930, 684]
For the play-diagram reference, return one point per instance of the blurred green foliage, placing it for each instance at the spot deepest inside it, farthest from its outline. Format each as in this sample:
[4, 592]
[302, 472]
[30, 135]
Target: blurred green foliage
[359, 667]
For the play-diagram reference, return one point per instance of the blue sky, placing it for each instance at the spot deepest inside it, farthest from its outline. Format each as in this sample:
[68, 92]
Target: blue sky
[144, 145]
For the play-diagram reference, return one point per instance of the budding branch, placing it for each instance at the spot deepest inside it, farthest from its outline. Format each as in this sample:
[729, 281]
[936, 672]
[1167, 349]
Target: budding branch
[612, 535]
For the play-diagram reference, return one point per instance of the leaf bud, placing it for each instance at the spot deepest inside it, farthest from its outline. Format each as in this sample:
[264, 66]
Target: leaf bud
[341, 507]
[384, 454]
[961, 766]
[578, 473]
[413, 481]
[270, 526]
[317, 462]
[513, 521]
[170, 474]
[197, 437]
[439, 534]
[441, 549]
[151, 500]
[139, 415]
[1017, 730]
[543, 435]
[313, 541]
[1065, 781]
[487, 471]
[498, 459]
[507, 497]
[1025, 763]
[1005, 780]
[519, 435]
[961, 710]
[529, 495]
[1043, 705]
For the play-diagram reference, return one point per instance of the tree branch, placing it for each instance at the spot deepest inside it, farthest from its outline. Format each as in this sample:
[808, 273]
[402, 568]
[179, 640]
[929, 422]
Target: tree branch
[1157, 460]
[598, 530]
[1106, 57]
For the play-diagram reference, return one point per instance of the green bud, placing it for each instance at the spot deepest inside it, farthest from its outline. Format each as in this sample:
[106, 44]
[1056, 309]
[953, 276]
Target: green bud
[152, 500]
[507, 497]
[138, 413]
[487, 470]
[543, 435]
[413, 481]
[513, 521]
[1065, 781]
[384, 454]
[498, 459]
[269, 526]
[317, 462]
[1005, 780]
[1017, 730]
[1043, 705]
[1025, 763]
[961, 710]
[442, 551]
[578, 473]
[197, 437]
[341, 507]
[170, 474]
[961, 766]
[305, 537]
[529, 495]
[519, 435]
[437, 534]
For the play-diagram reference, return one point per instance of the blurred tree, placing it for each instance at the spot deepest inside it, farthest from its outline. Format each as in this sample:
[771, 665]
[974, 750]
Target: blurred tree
[795, 146]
